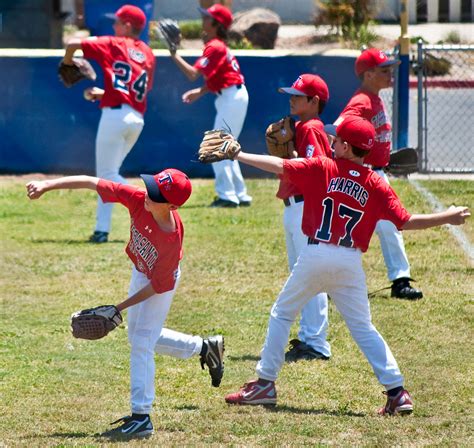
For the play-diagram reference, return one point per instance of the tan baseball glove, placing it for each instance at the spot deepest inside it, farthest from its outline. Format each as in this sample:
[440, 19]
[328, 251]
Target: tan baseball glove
[95, 323]
[280, 137]
[72, 74]
[218, 145]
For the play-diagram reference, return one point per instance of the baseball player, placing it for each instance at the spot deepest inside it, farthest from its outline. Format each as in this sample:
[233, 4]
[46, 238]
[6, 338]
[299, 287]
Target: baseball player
[155, 249]
[309, 95]
[223, 78]
[128, 65]
[375, 71]
[343, 202]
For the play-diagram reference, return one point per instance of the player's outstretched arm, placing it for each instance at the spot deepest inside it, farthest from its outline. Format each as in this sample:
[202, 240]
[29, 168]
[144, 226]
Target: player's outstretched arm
[453, 215]
[144, 293]
[271, 164]
[192, 73]
[72, 46]
[36, 188]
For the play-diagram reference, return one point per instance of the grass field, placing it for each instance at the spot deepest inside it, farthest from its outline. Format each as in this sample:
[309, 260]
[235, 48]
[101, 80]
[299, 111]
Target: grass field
[58, 391]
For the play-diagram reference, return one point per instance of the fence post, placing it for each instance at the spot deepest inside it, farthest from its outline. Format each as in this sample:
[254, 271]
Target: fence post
[403, 78]
[419, 73]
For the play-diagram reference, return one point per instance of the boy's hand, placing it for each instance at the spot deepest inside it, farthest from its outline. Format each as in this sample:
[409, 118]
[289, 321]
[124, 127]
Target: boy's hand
[458, 215]
[36, 188]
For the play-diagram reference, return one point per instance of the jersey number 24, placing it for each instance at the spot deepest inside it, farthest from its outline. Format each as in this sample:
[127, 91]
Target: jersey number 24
[123, 77]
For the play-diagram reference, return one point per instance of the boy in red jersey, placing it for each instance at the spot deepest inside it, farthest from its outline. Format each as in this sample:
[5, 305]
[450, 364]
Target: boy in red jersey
[128, 65]
[375, 71]
[223, 77]
[309, 95]
[343, 202]
[155, 249]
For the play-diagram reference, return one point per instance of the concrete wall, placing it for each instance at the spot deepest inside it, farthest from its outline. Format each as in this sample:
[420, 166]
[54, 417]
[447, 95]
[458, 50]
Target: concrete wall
[48, 128]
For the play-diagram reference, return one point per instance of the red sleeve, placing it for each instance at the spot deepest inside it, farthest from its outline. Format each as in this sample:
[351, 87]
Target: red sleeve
[392, 209]
[300, 172]
[210, 61]
[128, 195]
[313, 144]
[358, 105]
[94, 47]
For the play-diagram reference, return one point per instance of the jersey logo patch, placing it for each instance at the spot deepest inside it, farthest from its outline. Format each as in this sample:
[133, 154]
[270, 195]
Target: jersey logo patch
[354, 173]
[136, 55]
[309, 151]
[203, 62]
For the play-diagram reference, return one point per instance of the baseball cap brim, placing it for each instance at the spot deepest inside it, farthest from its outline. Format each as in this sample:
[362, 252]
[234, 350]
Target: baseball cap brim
[111, 15]
[291, 91]
[389, 62]
[204, 11]
[330, 129]
[152, 189]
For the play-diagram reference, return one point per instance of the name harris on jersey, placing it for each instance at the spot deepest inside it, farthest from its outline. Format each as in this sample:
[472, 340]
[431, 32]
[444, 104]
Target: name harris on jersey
[349, 187]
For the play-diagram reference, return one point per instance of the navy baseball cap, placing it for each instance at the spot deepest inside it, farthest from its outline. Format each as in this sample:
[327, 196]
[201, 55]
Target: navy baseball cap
[170, 185]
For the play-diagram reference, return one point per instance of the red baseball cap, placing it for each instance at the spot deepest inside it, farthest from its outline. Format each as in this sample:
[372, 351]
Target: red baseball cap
[169, 185]
[219, 13]
[372, 58]
[357, 131]
[132, 14]
[308, 85]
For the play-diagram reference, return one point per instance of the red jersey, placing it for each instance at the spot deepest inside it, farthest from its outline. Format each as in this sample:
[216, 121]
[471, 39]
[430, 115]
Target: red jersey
[311, 141]
[154, 252]
[371, 107]
[128, 66]
[218, 66]
[343, 200]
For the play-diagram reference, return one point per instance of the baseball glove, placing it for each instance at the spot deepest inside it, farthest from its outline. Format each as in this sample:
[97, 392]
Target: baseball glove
[95, 323]
[72, 74]
[279, 137]
[218, 145]
[169, 33]
[404, 161]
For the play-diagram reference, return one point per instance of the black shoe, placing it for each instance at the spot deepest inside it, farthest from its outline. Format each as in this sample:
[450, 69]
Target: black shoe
[218, 202]
[245, 203]
[214, 358]
[401, 289]
[132, 427]
[301, 351]
[99, 237]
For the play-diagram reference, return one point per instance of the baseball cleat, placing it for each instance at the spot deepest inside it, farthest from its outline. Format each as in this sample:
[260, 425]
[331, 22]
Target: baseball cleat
[214, 358]
[401, 289]
[224, 203]
[254, 393]
[301, 351]
[245, 203]
[400, 404]
[99, 237]
[132, 426]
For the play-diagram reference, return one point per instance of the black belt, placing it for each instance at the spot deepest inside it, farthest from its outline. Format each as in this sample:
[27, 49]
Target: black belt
[239, 86]
[312, 241]
[298, 198]
[118, 106]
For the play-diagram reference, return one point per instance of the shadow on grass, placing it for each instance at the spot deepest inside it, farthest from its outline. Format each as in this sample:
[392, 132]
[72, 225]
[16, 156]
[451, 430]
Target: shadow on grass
[243, 358]
[72, 242]
[312, 411]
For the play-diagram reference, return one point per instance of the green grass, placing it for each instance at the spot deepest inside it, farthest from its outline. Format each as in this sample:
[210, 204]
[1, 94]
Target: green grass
[58, 391]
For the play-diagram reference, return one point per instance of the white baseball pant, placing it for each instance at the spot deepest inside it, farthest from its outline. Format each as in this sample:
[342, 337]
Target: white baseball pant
[147, 337]
[393, 247]
[231, 106]
[338, 271]
[118, 131]
[314, 316]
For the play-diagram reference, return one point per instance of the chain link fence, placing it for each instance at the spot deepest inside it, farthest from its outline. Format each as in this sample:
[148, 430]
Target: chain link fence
[441, 120]
[445, 107]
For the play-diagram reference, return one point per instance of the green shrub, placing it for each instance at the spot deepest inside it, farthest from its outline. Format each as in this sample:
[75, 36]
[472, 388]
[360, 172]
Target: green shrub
[242, 44]
[191, 29]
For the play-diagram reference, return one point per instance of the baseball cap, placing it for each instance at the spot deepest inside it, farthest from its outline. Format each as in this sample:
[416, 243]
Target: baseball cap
[169, 185]
[308, 85]
[357, 131]
[132, 14]
[372, 58]
[219, 13]
[330, 129]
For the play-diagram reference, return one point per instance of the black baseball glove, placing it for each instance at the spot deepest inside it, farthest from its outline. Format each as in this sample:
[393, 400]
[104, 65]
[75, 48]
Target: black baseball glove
[403, 161]
[169, 33]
